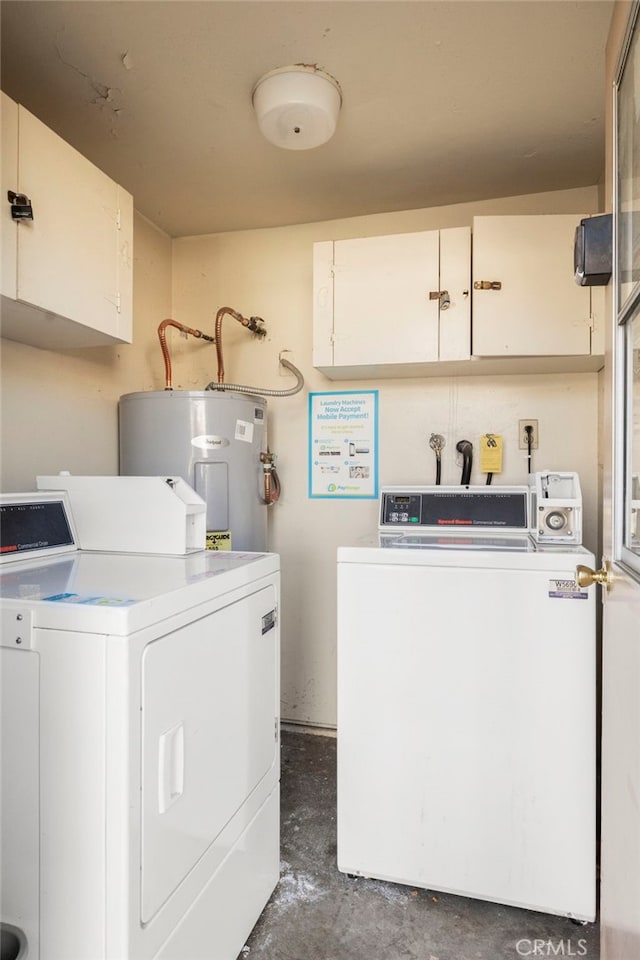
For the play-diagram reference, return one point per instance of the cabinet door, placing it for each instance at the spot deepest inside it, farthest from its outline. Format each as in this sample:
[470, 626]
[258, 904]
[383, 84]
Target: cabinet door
[455, 280]
[68, 254]
[8, 181]
[539, 310]
[67, 274]
[124, 264]
[381, 307]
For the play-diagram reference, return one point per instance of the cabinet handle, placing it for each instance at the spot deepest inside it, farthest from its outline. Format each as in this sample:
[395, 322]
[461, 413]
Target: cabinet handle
[487, 285]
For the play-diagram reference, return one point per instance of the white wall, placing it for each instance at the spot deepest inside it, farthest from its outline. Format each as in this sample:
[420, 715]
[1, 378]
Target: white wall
[269, 273]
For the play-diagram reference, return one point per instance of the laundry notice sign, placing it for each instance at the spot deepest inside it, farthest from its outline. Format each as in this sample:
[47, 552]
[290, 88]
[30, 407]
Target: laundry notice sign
[343, 444]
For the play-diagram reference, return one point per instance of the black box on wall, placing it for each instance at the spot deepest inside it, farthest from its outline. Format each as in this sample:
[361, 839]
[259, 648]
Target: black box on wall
[592, 251]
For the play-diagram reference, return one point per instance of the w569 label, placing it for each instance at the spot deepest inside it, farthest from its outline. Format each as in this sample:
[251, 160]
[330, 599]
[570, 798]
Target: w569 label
[566, 590]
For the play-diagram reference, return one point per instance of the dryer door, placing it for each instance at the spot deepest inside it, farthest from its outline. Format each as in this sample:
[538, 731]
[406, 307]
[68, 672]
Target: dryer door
[209, 693]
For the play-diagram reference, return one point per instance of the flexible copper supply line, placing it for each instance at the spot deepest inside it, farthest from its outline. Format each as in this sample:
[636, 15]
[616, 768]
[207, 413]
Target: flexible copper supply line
[165, 349]
[274, 488]
[253, 324]
[271, 478]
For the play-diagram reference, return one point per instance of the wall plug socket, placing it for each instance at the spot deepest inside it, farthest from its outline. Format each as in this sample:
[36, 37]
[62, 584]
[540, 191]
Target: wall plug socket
[523, 443]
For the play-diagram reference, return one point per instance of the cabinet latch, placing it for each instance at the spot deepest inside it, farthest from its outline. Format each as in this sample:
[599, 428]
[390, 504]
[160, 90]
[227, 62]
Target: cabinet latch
[21, 208]
[487, 285]
[442, 296]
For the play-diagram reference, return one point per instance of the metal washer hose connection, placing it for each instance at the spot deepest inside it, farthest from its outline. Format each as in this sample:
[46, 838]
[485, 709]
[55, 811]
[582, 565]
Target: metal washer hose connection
[263, 391]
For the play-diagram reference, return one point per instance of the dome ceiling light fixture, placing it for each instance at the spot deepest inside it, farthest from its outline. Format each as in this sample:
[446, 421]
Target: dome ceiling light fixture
[297, 107]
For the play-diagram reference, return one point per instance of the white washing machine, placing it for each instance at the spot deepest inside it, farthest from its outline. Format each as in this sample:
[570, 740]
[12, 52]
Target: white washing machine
[467, 703]
[140, 748]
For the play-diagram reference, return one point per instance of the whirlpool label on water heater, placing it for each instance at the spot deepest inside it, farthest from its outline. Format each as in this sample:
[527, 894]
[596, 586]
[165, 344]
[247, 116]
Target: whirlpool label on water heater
[208, 441]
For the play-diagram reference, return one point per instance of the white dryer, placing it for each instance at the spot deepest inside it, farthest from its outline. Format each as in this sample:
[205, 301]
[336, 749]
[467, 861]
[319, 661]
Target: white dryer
[140, 747]
[467, 703]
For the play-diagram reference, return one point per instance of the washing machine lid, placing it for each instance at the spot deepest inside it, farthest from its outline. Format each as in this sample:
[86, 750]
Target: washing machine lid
[458, 541]
[514, 555]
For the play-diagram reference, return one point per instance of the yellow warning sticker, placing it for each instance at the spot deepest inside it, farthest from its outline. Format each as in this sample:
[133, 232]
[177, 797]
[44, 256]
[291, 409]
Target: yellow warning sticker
[218, 539]
[491, 453]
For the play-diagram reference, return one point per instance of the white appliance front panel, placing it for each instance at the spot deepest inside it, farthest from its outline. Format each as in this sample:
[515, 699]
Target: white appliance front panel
[72, 797]
[209, 735]
[19, 789]
[217, 924]
[466, 731]
[75, 758]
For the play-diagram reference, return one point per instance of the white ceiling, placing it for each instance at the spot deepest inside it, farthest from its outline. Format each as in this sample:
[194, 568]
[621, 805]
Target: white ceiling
[444, 101]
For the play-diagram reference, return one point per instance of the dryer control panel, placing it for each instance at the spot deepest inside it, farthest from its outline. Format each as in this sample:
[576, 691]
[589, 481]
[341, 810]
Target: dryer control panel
[35, 525]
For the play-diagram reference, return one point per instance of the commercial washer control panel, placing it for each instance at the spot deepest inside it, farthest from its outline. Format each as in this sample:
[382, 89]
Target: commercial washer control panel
[455, 508]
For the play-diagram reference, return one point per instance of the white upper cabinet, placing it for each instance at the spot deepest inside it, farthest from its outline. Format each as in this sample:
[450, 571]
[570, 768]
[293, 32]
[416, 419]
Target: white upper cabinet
[66, 274]
[526, 302]
[383, 302]
[405, 305]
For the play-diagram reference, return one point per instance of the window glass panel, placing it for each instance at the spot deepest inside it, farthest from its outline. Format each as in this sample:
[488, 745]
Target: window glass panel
[632, 499]
[629, 173]
[627, 274]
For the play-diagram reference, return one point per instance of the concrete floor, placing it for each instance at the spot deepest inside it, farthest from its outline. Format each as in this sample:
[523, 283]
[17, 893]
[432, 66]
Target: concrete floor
[317, 913]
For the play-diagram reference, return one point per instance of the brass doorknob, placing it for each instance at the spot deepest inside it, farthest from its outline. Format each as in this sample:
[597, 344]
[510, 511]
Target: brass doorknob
[585, 576]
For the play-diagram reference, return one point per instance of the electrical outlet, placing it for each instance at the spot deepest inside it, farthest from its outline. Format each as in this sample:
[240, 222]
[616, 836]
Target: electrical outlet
[523, 443]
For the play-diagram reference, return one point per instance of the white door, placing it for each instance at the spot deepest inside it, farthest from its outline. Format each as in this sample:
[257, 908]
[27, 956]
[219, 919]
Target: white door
[620, 854]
